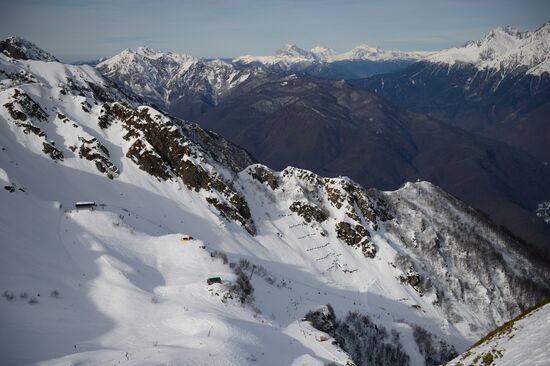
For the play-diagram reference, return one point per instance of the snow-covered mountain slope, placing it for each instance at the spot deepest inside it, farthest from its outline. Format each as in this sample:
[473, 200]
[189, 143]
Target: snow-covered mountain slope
[498, 86]
[503, 49]
[288, 57]
[180, 84]
[521, 341]
[422, 274]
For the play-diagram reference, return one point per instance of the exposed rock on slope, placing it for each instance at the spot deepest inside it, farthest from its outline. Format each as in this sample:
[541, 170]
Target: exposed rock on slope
[432, 242]
[95, 151]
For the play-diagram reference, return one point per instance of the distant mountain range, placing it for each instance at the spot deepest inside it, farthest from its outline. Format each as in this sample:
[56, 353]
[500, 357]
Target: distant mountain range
[290, 55]
[320, 61]
[335, 129]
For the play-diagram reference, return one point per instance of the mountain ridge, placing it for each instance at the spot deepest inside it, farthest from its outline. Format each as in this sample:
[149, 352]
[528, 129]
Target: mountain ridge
[504, 49]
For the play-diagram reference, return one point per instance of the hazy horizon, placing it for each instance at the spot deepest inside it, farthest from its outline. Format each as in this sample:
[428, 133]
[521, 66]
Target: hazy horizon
[80, 31]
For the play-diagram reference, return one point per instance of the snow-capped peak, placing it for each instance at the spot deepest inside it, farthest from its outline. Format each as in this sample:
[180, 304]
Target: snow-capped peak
[361, 51]
[22, 49]
[146, 54]
[503, 48]
[323, 52]
[291, 50]
[149, 52]
[164, 78]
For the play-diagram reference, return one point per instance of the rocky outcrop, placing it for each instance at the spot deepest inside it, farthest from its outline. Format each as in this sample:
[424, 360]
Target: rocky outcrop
[349, 234]
[23, 107]
[94, 151]
[308, 212]
[357, 237]
[160, 148]
[53, 152]
[263, 175]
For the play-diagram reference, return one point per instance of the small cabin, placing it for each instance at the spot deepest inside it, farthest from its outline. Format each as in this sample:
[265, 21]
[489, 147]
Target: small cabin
[90, 205]
[213, 280]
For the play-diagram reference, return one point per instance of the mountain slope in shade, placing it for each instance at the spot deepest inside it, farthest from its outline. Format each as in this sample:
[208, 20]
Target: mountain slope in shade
[498, 86]
[521, 341]
[187, 87]
[346, 131]
[126, 282]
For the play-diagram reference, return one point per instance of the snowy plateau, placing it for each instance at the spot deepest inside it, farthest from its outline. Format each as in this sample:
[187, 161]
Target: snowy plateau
[303, 270]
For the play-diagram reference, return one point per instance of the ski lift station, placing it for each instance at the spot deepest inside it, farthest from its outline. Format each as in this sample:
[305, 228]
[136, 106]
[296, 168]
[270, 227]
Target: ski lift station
[89, 205]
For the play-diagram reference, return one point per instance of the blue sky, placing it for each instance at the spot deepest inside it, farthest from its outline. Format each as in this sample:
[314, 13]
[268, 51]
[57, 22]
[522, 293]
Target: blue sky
[81, 30]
